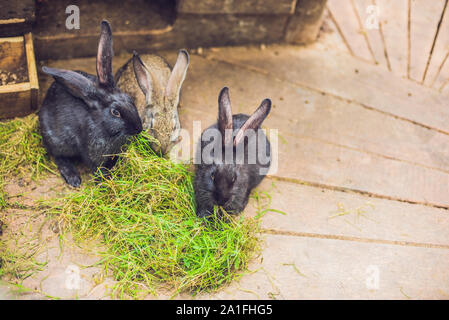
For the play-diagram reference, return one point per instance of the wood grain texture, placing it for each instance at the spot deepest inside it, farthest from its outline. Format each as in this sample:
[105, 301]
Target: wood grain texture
[330, 36]
[32, 70]
[18, 99]
[327, 212]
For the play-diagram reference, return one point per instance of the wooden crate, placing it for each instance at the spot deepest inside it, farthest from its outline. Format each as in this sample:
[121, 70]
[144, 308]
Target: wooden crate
[21, 98]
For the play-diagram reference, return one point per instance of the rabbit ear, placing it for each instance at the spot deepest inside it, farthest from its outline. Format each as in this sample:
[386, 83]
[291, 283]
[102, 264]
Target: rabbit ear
[177, 76]
[143, 77]
[77, 84]
[104, 56]
[225, 116]
[255, 120]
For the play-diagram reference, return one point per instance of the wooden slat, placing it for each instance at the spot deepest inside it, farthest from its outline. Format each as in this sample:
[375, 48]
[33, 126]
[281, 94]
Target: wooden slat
[440, 52]
[345, 17]
[315, 268]
[349, 78]
[329, 212]
[394, 19]
[32, 70]
[424, 18]
[445, 90]
[373, 35]
[319, 135]
[31, 61]
[14, 98]
[16, 87]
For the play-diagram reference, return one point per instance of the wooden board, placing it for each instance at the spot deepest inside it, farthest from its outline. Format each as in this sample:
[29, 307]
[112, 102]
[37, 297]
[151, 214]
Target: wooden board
[344, 16]
[439, 55]
[443, 77]
[315, 268]
[424, 19]
[313, 210]
[394, 20]
[445, 89]
[16, 17]
[337, 168]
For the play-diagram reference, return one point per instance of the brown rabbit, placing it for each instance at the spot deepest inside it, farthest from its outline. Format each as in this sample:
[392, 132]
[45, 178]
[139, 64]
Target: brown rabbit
[155, 88]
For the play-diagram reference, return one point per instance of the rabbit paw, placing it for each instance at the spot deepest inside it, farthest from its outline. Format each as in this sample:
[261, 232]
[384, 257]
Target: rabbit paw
[74, 181]
[68, 171]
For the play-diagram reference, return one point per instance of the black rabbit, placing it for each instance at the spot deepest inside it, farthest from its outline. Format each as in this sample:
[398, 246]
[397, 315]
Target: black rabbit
[223, 177]
[86, 117]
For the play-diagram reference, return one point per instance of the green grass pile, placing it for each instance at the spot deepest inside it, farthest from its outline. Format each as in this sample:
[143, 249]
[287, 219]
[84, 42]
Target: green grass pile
[142, 219]
[145, 218]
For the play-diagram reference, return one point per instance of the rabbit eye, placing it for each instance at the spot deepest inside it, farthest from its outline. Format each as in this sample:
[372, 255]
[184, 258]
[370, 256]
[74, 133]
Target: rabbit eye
[115, 113]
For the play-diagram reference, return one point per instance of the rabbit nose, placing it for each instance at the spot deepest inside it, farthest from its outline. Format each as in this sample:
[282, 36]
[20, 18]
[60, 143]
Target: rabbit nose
[135, 129]
[139, 127]
[221, 200]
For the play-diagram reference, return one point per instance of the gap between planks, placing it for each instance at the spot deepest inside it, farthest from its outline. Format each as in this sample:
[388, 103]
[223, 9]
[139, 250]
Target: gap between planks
[354, 239]
[354, 191]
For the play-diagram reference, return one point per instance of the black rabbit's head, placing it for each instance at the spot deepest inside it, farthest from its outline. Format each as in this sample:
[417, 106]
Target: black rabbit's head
[112, 109]
[228, 178]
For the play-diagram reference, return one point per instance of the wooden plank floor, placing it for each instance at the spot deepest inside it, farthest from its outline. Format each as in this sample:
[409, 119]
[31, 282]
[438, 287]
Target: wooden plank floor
[409, 37]
[363, 163]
